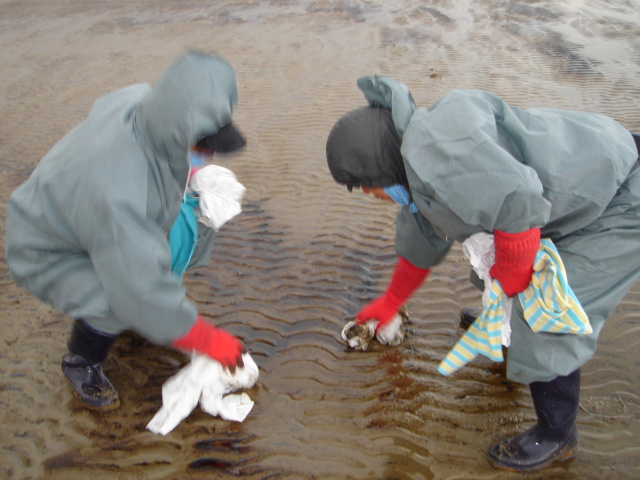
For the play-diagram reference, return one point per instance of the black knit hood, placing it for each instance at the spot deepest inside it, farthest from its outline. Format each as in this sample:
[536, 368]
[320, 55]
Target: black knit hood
[363, 148]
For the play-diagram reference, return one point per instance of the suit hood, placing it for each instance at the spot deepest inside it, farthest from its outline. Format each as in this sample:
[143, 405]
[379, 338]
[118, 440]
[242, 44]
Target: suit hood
[194, 98]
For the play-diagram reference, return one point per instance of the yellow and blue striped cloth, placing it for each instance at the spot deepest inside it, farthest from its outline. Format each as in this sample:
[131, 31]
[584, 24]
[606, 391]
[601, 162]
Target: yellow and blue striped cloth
[548, 303]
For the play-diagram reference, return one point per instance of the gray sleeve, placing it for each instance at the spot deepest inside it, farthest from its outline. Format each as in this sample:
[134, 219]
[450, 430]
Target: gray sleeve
[417, 242]
[464, 161]
[132, 260]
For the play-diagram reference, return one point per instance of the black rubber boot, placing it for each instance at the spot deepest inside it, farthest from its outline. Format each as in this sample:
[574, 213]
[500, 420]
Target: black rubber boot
[83, 367]
[553, 438]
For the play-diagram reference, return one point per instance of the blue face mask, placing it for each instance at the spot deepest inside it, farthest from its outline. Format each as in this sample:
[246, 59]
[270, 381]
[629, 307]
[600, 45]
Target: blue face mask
[400, 195]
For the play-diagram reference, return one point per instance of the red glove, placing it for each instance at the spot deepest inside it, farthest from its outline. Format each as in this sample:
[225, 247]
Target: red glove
[218, 344]
[405, 280]
[515, 254]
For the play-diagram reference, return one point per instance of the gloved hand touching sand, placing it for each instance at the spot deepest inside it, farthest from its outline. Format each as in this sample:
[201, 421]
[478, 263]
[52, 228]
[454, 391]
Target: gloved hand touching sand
[214, 342]
[405, 280]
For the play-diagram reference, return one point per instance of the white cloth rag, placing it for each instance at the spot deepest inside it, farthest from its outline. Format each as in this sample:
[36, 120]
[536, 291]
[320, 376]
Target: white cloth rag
[204, 380]
[480, 250]
[220, 195]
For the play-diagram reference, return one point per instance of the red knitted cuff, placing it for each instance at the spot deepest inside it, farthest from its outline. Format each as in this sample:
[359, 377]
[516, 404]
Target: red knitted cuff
[515, 254]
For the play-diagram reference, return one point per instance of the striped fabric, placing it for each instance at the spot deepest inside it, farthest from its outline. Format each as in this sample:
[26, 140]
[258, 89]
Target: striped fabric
[548, 302]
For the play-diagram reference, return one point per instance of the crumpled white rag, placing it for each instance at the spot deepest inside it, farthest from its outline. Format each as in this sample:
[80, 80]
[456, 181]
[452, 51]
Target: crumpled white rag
[204, 380]
[220, 195]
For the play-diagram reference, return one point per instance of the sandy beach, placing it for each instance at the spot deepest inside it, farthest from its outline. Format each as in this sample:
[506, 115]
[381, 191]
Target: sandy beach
[305, 255]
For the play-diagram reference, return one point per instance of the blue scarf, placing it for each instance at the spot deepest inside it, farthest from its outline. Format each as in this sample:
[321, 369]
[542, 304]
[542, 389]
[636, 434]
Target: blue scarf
[400, 195]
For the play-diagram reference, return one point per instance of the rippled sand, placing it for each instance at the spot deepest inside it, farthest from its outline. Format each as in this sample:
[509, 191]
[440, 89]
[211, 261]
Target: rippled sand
[305, 255]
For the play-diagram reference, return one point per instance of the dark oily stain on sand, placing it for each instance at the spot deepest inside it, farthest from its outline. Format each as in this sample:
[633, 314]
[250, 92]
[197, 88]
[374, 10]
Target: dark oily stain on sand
[229, 446]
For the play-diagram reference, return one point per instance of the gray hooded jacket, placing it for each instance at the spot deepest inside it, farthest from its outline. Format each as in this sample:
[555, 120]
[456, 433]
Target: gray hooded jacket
[476, 164]
[87, 232]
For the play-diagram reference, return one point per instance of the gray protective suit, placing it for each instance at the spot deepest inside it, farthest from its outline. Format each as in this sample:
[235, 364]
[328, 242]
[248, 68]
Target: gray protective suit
[475, 164]
[87, 232]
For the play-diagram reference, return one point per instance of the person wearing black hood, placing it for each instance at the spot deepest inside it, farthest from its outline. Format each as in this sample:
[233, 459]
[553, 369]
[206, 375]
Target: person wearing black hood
[472, 164]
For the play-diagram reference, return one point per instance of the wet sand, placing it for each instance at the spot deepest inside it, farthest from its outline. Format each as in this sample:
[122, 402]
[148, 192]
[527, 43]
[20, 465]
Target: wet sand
[305, 255]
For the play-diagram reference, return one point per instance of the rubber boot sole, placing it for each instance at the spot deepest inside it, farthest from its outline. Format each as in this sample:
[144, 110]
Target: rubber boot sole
[105, 408]
[567, 453]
